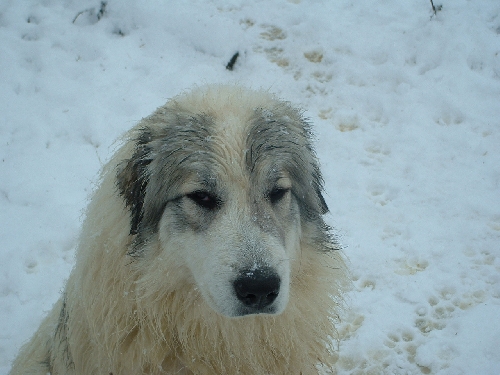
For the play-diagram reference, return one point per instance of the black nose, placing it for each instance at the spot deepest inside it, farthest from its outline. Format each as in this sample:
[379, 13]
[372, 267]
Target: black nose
[258, 288]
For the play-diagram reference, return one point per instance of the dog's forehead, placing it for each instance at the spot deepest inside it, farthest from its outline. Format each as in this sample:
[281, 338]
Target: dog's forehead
[239, 120]
[258, 143]
[227, 132]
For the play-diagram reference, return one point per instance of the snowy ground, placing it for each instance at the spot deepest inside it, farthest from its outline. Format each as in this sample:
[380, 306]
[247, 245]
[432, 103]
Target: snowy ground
[406, 107]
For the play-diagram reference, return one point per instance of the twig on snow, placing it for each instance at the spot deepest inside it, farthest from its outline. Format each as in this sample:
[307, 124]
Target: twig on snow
[436, 8]
[231, 62]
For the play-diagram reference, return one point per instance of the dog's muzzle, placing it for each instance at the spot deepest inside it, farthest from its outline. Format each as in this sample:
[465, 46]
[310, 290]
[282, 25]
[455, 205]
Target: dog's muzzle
[257, 289]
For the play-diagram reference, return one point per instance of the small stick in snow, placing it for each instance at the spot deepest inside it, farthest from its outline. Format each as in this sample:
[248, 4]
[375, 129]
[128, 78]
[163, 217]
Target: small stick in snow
[91, 13]
[436, 8]
[231, 62]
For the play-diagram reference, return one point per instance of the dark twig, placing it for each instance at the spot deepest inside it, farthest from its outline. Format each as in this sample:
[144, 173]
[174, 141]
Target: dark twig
[90, 13]
[231, 62]
[103, 10]
[436, 8]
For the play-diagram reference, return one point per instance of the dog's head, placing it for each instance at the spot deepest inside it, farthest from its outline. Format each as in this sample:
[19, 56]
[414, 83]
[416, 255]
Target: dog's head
[225, 180]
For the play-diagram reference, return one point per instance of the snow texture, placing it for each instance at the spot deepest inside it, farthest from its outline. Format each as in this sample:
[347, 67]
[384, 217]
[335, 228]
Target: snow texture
[406, 108]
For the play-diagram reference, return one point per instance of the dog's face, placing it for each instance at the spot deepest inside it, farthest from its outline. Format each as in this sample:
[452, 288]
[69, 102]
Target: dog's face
[225, 184]
[239, 235]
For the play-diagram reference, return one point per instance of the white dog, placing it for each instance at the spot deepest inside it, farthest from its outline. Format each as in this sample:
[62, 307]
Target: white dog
[203, 251]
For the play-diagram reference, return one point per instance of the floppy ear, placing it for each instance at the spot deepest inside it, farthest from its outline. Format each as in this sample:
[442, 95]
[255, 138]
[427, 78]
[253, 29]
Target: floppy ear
[309, 188]
[132, 180]
[317, 185]
[314, 170]
[322, 204]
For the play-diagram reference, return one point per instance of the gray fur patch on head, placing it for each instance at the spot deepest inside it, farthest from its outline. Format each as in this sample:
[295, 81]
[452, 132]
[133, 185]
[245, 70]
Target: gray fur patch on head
[281, 136]
[170, 146]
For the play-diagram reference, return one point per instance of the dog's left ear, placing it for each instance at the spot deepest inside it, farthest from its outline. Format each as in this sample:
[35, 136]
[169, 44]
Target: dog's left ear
[317, 184]
[322, 203]
[132, 180]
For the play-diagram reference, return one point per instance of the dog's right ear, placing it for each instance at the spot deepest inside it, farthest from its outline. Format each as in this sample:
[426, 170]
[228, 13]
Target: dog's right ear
[132, 180]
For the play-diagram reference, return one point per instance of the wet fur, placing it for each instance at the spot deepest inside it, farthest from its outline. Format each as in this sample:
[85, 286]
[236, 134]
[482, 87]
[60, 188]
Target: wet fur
[134, 303]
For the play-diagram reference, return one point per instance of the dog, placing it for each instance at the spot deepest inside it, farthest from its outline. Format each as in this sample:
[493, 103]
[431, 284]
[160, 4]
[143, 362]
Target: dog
[203, 250]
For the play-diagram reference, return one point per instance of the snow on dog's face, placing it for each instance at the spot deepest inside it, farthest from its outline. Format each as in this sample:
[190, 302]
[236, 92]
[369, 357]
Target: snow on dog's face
[224, 180]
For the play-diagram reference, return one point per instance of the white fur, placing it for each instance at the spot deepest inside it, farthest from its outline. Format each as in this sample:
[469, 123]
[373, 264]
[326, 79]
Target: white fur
[171, 309]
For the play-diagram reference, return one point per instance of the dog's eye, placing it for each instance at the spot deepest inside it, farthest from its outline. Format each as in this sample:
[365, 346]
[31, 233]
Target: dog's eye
[277, 194]
[204, 199]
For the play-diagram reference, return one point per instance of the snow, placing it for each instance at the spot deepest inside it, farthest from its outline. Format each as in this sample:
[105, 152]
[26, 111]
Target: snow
[406, 109]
